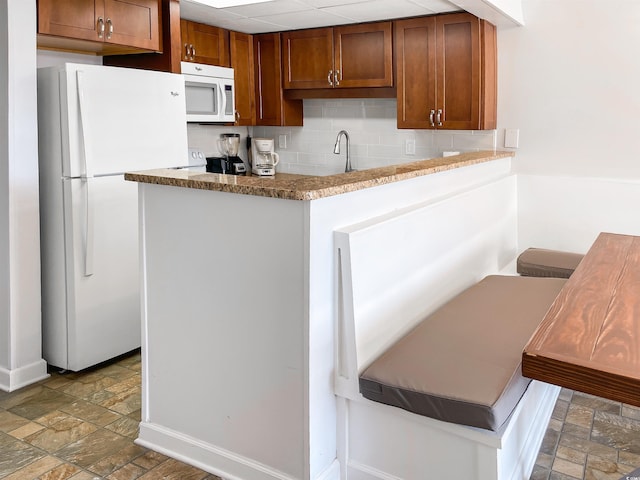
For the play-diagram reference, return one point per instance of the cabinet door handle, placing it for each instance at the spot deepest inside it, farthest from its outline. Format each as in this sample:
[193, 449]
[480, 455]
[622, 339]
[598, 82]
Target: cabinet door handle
[100, 27]
[186, 51]
[193, 51]
[336, 78]
[431, 117]
[110, 30]
[439, 117]
[330, 77]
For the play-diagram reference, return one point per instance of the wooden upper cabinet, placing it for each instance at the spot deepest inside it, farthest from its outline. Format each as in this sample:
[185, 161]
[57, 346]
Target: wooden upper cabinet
[446, 72]
[134, 24]
[243, 66]
[308, 58]
[363, 55]
[271, 106]
[204, 44]
[342, 57]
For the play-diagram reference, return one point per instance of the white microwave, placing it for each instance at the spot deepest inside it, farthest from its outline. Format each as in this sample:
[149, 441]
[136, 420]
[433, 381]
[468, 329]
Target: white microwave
[209, 93]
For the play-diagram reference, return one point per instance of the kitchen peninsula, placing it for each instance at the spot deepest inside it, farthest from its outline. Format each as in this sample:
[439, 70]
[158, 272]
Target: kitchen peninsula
[240, 299]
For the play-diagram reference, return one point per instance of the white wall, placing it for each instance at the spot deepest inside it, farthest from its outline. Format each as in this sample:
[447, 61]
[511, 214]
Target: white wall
[569, 81]
[20, 320]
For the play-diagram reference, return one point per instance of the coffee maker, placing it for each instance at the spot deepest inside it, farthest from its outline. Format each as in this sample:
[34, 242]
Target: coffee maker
[231, 163]
[263, 158]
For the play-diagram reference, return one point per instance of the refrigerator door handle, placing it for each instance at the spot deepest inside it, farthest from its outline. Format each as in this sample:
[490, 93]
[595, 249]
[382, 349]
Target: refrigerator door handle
[86, 177]
[89, 229]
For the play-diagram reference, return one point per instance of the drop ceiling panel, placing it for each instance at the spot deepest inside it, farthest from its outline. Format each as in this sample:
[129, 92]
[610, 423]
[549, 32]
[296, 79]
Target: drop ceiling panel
[278, 15]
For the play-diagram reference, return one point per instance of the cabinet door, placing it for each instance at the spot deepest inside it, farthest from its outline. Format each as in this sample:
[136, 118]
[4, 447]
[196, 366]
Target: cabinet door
[308, 58]
[70, 18]
[363, 55]
[271, 106]
[459, 71]
[242, 63]
[415, 42]
[133, 23]
[210, 44]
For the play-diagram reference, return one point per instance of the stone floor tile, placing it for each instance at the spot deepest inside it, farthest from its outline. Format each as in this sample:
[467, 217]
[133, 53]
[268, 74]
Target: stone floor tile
[566, 467]
[561, 476]
[88, 390]
[92, 448]
[113, 462]
[26, 430]
[545, 460]
[601, 469]
[150, 460]
[571, 455]
[125, 402]
[34, 469]
[60, 434]
[579, 415]
[89, 412]
[596, 403]
[174, 470]
[631, 412]
[560, 410]
[82, 475]
[565, 394]
[576, 430]
[125, 426]
[540, 473]
[10, 421]
[41, 401]
[61, 472]
[588, 446]
[15, 455]
[629, 458]
[550, 442]
[129, 471]
[616, 432]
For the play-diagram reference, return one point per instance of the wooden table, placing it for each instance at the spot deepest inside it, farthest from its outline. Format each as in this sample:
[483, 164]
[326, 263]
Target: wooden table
[590, 338]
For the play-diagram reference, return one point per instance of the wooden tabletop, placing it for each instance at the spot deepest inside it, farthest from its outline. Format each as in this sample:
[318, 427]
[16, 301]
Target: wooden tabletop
[590, 338]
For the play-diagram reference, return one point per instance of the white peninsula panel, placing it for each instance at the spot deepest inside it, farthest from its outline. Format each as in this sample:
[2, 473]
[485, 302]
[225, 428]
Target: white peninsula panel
[239, 308]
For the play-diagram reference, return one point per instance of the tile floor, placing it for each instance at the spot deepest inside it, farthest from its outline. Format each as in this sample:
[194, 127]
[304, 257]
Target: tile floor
[589, 438]
[81, 426]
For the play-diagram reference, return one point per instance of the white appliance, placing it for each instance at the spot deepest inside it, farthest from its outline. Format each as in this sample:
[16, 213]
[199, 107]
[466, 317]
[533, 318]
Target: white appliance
[95, 123]
[263, 158]
[210, 93]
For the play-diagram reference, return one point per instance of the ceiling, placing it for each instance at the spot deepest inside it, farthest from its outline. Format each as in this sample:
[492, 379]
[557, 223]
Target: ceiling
[280, 15]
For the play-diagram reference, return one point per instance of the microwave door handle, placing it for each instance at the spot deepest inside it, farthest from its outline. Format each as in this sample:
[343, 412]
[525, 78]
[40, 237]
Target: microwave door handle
[222, 101]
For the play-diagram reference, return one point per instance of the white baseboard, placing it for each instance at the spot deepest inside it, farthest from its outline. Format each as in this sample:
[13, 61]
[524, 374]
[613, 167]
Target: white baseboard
[15, 379]
[207, 457]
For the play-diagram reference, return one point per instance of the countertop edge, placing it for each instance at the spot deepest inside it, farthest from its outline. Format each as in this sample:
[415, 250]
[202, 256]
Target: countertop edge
[305, 187]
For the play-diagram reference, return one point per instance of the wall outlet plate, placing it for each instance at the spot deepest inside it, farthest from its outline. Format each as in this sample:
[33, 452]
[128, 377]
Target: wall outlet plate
[282, 141]
[511, 138]
[410, 146]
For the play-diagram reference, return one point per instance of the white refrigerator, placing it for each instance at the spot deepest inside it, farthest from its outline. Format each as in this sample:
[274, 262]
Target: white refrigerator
[95, 123]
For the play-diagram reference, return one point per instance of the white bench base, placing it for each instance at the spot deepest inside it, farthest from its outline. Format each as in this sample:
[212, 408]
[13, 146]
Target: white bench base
[379, 442]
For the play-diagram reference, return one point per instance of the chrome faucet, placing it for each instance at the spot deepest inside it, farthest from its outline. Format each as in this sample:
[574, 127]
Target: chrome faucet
[336, 149]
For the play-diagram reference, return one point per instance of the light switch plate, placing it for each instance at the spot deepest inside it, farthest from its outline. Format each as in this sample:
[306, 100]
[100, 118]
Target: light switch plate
[511, 138]
[282, 141]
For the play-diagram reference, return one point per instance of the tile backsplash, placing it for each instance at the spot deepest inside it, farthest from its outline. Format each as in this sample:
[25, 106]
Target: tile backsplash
[375, 140]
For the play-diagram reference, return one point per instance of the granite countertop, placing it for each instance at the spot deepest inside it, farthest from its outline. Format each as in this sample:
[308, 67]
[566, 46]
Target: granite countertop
[308, 187]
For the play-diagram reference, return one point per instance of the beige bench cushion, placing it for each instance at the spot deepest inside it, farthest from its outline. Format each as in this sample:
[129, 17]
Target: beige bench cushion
[540, 262]
[462, 363]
